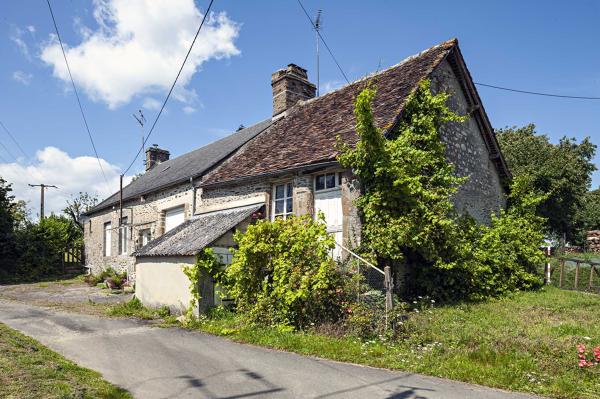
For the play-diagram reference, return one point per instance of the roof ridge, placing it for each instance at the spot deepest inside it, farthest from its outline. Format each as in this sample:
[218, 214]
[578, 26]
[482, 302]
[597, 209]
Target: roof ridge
[453, 42]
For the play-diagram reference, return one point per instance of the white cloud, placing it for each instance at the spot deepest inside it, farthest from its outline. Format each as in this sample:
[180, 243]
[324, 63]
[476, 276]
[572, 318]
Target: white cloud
[151, 103]
[31, 29]
[16, 36]
[22, 77]
[139, 46]
[189, 110]
[71, 174]
[330, 86]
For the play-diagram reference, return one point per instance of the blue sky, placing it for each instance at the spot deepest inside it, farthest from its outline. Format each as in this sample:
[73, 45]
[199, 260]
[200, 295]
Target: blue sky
[550, 48]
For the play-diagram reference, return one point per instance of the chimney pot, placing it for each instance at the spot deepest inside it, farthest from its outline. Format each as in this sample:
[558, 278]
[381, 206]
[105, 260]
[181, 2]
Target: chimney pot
[290, 85]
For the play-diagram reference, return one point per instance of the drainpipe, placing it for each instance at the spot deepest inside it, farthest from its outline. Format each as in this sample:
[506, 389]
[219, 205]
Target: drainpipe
[193, 196]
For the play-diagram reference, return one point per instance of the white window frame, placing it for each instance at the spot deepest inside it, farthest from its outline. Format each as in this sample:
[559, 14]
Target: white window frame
[142, 234]
[123, 239]
[107, 236]
[338, 183]
[288, 198]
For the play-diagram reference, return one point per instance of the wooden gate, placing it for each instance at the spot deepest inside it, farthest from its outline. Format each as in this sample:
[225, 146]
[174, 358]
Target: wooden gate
[73, 259]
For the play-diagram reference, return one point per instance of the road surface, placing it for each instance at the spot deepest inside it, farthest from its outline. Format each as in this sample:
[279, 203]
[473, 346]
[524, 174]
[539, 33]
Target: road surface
[155, 362]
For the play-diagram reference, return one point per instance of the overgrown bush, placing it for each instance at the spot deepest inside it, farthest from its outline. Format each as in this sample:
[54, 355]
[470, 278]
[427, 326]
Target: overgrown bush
[408, 215]
[282, 273]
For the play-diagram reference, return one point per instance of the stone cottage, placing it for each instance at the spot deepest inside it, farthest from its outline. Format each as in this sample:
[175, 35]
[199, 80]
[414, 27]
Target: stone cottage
[283, 166]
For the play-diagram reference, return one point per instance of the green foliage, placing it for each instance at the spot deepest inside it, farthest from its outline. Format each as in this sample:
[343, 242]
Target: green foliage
[588, 214]
[207, 264]
[407, 182]
[408, 214]
[107, 274]
[282, 273]
[7, 222]
[563, 171]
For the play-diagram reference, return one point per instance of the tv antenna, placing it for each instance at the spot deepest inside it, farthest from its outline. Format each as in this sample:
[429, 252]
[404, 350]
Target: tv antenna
[141, 120]
[318, 24]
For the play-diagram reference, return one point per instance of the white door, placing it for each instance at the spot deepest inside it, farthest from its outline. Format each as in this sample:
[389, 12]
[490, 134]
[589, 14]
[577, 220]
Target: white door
[173, 218]
[330, 203]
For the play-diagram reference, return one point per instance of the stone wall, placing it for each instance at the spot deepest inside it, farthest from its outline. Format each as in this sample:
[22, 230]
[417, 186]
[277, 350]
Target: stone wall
[482, 194]
[146, 212]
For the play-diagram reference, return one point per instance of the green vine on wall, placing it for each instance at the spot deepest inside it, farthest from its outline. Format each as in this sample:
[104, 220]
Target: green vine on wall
[207, 264]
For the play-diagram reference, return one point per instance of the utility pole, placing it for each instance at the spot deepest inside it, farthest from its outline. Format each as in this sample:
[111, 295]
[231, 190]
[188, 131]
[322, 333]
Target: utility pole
[43, 188]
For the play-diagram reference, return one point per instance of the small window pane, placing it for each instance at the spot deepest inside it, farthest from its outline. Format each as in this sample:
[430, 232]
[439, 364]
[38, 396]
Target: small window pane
[330, 180]
[320, 184]
[339, 179]
[279, 206]
[289, 190]
[279, 193]
[289, 206]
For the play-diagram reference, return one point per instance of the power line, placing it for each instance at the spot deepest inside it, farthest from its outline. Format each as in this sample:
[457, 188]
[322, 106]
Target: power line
[172, 87]
[13, 139]
[76, 93]
[536, 93]
[324, 42]
[7, 151]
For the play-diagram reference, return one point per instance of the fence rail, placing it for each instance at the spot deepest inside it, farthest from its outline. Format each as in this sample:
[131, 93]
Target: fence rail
[572, 272]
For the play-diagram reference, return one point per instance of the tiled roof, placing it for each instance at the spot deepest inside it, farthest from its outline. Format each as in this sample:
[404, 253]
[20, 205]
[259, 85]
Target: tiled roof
[180, 169]
[307, 134]
[192, 236]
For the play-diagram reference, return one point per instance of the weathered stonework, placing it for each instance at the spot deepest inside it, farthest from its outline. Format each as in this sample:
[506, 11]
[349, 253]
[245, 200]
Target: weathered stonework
[483, 193]
[144, 213]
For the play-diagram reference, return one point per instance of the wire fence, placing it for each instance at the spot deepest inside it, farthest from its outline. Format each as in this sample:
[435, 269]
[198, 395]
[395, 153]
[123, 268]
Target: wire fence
[575, 274]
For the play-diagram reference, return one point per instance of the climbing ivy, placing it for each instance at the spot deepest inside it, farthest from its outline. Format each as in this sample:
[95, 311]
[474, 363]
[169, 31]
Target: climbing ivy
[408, 213]
[207, 264]
[407, 183]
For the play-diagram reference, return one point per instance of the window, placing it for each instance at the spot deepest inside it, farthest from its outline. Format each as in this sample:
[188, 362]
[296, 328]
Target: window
[174, 217]
[123, 236]
[328, 181]
[282, 200]
[107, 238]
[145, 237]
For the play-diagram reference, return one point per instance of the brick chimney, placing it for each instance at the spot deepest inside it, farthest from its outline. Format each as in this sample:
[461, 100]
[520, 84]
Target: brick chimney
[155, 155]
[290, 85]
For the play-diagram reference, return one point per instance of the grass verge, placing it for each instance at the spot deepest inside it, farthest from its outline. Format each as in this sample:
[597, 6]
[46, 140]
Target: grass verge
[523, 343]
[30, 370]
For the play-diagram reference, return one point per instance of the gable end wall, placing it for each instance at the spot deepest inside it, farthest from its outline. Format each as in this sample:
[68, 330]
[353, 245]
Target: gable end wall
[483, 193]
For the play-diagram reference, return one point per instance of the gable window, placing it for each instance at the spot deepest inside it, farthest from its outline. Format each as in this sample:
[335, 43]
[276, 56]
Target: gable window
[123, 236]
[107, 238]
[282, 201]
[328, 181]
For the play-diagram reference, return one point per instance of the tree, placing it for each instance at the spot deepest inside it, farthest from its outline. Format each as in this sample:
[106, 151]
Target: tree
[7, 225]
[77, 206]
[589, 213]
[563, 171]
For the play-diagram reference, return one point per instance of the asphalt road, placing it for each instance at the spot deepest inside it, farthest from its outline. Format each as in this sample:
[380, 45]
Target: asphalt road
[175, 363]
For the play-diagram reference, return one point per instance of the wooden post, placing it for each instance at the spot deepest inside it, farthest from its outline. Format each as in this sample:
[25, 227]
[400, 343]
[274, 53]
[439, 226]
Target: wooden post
[562, 271]
[576, 283]
[591, 277]
[389, 286]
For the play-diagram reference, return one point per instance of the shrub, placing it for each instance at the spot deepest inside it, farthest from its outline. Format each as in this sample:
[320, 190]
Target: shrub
[407, 210]
[283, 274]
[109, 276]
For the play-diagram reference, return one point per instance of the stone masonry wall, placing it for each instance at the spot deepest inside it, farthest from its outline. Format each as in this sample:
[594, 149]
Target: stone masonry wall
[142, 213]
[482, 194]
